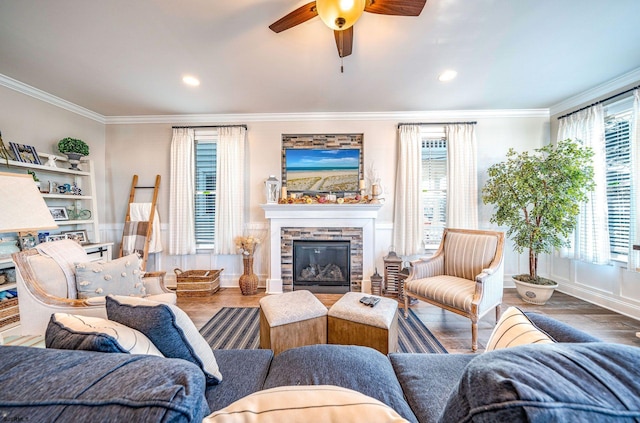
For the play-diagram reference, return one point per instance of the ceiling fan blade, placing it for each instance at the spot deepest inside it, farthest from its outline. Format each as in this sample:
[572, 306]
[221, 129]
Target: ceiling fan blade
[395, 7]
[344, 41]
[298, 16]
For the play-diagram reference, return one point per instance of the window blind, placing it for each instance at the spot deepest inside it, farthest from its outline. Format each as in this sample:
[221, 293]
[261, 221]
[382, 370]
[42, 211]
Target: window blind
[617, 146]
[205, 192]
[434, 189]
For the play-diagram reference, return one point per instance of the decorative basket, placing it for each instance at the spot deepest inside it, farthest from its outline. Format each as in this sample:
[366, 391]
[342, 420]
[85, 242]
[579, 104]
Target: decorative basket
[197, 283]
[9, 312]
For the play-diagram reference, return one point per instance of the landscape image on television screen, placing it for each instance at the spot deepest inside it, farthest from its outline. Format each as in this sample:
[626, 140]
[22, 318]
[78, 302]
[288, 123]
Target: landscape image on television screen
[322, 170]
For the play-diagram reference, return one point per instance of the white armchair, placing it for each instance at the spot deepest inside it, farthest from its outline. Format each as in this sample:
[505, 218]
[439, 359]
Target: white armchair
[43, 290]
[464, 276]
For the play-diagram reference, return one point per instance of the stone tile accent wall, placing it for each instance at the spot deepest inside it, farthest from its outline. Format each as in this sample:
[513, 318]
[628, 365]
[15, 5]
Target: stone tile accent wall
[288, 235]
[319, 141]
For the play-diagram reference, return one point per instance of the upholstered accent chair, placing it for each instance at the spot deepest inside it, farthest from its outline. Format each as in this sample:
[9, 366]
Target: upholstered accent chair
[43, 290]
[464, 276]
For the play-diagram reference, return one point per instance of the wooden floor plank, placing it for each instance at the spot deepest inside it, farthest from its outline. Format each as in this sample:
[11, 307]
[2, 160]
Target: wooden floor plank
[453, 331]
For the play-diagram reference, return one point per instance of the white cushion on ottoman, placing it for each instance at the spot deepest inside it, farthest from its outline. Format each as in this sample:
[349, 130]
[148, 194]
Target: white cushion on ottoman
[291, 307]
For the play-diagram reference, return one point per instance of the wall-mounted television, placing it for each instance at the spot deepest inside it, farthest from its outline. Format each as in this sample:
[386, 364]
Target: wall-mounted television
[322, 170]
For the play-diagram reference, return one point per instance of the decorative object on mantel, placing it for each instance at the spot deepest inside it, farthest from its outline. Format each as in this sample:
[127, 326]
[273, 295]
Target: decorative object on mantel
[538, 197]
[272, 188]
[74, 149]
[247, 246]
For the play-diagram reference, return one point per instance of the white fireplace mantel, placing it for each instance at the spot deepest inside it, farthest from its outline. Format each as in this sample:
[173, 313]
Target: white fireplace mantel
[319, 215]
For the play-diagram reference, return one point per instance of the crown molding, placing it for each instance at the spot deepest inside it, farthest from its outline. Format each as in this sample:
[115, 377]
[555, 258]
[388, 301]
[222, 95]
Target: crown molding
[23, 88]
[327, 116]
[601, 90]
[270, 117]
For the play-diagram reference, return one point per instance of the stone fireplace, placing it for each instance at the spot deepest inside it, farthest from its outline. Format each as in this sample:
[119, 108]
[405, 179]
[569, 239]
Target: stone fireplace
[353, 224]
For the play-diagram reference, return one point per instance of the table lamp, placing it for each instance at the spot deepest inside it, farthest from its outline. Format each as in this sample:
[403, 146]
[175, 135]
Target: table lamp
[23, 209]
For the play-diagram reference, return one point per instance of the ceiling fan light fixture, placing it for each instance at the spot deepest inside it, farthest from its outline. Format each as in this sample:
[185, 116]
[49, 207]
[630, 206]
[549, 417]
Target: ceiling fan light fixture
[191, 80]
[340, 14]
[447, 75]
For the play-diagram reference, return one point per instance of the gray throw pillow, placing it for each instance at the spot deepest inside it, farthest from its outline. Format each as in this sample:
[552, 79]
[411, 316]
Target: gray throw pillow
[122, 276]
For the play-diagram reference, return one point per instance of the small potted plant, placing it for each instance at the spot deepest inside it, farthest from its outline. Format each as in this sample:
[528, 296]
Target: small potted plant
[538, 197]
[74, 149]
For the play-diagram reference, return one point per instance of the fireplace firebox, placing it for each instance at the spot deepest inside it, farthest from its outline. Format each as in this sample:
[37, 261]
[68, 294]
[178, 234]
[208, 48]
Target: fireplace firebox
[322, 266]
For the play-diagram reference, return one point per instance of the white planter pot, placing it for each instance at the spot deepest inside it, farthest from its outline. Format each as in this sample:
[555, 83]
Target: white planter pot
[532, 293]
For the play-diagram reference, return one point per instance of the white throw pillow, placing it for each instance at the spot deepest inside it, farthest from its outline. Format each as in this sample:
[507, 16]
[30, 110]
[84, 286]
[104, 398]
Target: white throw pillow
[309, 404]
[514, 328]
[122, 276]
[68, 331]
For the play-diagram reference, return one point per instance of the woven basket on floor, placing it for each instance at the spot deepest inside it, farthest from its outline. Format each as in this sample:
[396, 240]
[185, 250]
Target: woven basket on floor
[197, 283]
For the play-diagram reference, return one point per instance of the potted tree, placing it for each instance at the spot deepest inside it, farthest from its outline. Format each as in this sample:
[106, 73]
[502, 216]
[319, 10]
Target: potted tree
[538, 197]
[74, 149]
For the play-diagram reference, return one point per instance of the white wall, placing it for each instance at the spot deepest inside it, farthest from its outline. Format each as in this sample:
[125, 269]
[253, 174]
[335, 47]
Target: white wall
[144, 149]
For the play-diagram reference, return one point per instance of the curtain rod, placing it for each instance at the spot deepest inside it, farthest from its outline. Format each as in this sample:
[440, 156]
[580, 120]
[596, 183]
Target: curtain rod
[438, 123]
[210, 126]
[600, 102]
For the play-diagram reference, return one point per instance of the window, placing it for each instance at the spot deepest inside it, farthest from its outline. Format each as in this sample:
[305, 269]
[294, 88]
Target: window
[617, 146]
[205, 188]
[434, 189]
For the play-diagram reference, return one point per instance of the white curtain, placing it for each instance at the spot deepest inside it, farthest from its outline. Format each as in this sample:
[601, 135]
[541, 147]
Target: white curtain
[634, 224]
[590, 242]
[462, 176]
[181, 193]
[230, 204]
[408, 213]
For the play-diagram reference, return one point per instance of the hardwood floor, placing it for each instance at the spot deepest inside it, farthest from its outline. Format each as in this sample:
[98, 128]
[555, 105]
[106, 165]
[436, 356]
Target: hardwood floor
[453, 331]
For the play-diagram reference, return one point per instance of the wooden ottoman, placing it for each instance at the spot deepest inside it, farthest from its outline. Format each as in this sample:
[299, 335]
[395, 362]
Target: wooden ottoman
[292, 319]
[353, 323]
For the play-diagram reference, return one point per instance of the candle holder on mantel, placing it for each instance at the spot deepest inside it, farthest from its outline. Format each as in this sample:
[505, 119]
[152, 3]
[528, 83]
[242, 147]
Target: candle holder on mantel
[375, 193]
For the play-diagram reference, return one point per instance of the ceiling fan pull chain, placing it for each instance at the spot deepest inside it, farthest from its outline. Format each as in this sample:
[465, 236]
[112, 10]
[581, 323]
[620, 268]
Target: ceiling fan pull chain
[341, 65]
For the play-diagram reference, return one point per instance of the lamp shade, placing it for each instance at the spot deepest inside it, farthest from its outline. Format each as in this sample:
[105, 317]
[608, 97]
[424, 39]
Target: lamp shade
[23, 209]
[340, 14]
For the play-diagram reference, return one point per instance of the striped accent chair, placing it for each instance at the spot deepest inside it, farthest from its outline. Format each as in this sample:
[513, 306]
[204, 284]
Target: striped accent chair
[464, 276]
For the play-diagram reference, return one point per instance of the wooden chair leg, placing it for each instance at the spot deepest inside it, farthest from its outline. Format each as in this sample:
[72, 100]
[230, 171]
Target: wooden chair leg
[406, 305]
[474, 336]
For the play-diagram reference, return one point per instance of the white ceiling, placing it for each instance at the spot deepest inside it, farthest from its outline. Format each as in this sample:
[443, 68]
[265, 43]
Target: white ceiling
[127, 57]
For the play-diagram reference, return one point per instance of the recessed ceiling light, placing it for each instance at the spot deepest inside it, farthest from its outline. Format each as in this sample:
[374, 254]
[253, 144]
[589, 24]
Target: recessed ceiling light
[447, 75]
[191, 80]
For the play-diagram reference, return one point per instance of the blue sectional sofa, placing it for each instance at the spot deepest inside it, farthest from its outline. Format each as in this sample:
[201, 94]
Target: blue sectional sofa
[578, 377]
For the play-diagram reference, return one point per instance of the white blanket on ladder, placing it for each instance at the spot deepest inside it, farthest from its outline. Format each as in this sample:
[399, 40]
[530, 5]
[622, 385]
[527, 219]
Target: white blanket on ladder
[141, 212]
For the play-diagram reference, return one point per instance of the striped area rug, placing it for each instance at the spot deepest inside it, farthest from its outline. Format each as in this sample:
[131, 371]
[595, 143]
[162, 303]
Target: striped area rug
[239, 328]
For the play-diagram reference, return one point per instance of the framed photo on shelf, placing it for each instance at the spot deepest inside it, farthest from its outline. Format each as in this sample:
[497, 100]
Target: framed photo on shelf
[56, 237]
[79, 236]
[27, 242]
[59, 213]
[25, 153]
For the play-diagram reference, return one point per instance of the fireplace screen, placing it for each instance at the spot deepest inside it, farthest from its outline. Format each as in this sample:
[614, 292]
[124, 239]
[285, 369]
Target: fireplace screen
[322, 266]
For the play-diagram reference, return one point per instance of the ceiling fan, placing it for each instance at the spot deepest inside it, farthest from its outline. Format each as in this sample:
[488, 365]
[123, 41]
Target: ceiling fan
[340, 15]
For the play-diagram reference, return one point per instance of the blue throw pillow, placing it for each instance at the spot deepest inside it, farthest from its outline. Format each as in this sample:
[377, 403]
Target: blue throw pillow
[549, 383]
[169, 328]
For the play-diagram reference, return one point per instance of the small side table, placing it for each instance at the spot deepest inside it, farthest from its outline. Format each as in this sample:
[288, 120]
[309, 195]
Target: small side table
[402, 277]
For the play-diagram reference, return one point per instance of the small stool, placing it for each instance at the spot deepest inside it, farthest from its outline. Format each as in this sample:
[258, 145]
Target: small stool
[290, 320]
[353, 323]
